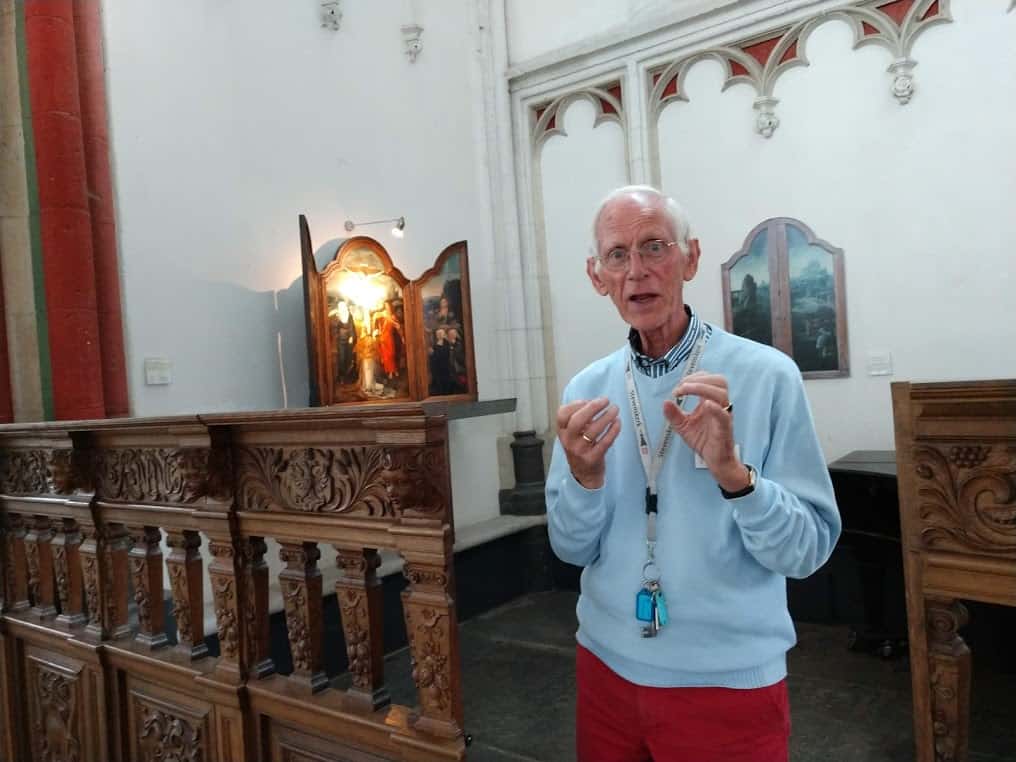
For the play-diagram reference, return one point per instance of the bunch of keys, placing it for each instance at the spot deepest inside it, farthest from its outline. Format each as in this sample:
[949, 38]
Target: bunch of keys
[651, 607]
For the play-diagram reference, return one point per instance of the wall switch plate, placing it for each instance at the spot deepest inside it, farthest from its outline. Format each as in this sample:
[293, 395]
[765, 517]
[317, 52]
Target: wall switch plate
[158, 371]
[880, 364]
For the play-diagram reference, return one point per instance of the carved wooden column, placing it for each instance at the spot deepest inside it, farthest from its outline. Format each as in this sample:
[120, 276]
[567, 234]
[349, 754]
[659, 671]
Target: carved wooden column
[103, 554]
[146, 572]
[67, 569]
[432, 627]
[255, 610]
[949, 667]
[301, 593]
[17, 564]
[184, 564]
[359, 595]
[227, 595]
[39, 554]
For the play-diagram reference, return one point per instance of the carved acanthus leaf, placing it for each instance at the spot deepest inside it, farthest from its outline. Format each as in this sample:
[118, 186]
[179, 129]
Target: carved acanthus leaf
[967, 499]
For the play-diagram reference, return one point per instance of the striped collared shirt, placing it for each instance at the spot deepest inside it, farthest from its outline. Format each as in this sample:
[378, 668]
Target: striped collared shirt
[654, 367]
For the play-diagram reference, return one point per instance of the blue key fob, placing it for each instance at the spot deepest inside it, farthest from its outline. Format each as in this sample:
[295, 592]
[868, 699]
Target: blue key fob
[644, 606]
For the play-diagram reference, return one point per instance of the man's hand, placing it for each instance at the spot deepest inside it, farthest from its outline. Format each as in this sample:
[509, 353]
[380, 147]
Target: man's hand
[709, 428]
[586, 430]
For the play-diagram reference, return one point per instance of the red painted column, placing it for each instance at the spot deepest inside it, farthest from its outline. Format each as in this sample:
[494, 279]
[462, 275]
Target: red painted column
[94, 119]
[65, 218]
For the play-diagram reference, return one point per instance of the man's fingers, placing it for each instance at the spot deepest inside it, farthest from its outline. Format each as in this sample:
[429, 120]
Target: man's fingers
[612, 430]
[565, 412]
[595, 428]
[584, 415]
[706, 391]
[674, 415]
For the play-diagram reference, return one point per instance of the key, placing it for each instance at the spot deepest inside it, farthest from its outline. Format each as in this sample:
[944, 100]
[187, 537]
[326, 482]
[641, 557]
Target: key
[661, 608]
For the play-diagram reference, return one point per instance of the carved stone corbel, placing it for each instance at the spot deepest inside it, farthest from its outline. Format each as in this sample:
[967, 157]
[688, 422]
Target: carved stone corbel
[359, 595]
[301, 593]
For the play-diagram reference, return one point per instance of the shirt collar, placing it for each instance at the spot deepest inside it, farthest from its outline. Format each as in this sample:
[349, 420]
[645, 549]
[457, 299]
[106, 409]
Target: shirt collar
[657, 366]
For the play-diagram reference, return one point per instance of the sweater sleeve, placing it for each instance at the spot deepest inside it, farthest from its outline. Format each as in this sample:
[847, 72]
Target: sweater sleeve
[790, 523]
[576, 516]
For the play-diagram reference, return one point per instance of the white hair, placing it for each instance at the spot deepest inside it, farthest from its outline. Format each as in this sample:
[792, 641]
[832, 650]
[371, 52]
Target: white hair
[674, 212]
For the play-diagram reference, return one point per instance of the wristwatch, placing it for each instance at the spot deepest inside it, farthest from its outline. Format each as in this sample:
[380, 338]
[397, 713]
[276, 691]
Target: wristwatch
[744, 490]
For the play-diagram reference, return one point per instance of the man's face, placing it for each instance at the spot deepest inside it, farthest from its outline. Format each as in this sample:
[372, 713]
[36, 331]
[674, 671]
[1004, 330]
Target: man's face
[453, 335]
[646, 297]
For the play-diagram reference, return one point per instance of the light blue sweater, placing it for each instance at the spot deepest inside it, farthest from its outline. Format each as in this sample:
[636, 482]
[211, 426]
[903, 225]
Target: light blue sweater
[723, 563]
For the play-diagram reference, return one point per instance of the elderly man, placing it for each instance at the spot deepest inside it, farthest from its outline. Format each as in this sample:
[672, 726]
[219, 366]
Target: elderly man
[688, 480]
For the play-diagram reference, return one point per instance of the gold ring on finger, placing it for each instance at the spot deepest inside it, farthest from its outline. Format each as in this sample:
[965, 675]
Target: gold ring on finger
[589, 439]
[728, 408]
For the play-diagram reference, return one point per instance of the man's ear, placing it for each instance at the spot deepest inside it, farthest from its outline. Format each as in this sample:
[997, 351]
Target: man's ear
[691, 259]
[594, 277]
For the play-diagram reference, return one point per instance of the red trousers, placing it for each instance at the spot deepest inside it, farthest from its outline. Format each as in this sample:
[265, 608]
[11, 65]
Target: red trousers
[618, 721]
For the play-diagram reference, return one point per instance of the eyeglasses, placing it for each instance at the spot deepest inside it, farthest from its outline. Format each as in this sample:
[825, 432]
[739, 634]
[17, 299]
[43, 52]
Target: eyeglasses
[652, 252]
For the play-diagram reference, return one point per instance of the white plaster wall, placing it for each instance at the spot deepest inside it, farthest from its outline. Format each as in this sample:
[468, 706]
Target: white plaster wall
[580, 323]
[537, 30]
[228, 119]
[919, 197]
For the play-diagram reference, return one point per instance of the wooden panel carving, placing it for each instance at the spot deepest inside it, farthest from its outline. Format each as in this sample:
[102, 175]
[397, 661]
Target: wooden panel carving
[40, 472]
[55, 712]
[167, 734]
[370, 481]
[16, 590]
[152, 475]
[967, 497]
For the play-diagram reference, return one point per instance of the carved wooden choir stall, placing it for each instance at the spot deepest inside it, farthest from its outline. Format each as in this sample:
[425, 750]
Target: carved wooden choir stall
[89, 672]
[956, 456]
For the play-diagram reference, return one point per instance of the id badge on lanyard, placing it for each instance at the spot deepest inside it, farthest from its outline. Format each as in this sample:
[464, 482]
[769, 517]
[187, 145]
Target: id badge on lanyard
[650, 605]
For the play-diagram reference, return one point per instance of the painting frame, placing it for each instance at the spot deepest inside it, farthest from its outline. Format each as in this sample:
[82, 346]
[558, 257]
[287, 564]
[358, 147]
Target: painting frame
[394, 309]
[834, 341]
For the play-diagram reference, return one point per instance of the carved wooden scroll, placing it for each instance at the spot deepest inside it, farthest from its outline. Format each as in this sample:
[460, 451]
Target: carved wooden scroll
[301, 594]
[359, 596]
[146, 573]
[185, 580]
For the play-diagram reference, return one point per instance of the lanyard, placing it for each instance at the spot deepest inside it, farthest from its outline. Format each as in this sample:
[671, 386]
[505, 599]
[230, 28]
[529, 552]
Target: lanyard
[652, 463]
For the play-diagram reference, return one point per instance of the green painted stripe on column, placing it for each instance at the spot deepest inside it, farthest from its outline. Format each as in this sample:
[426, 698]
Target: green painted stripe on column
[34, 218]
